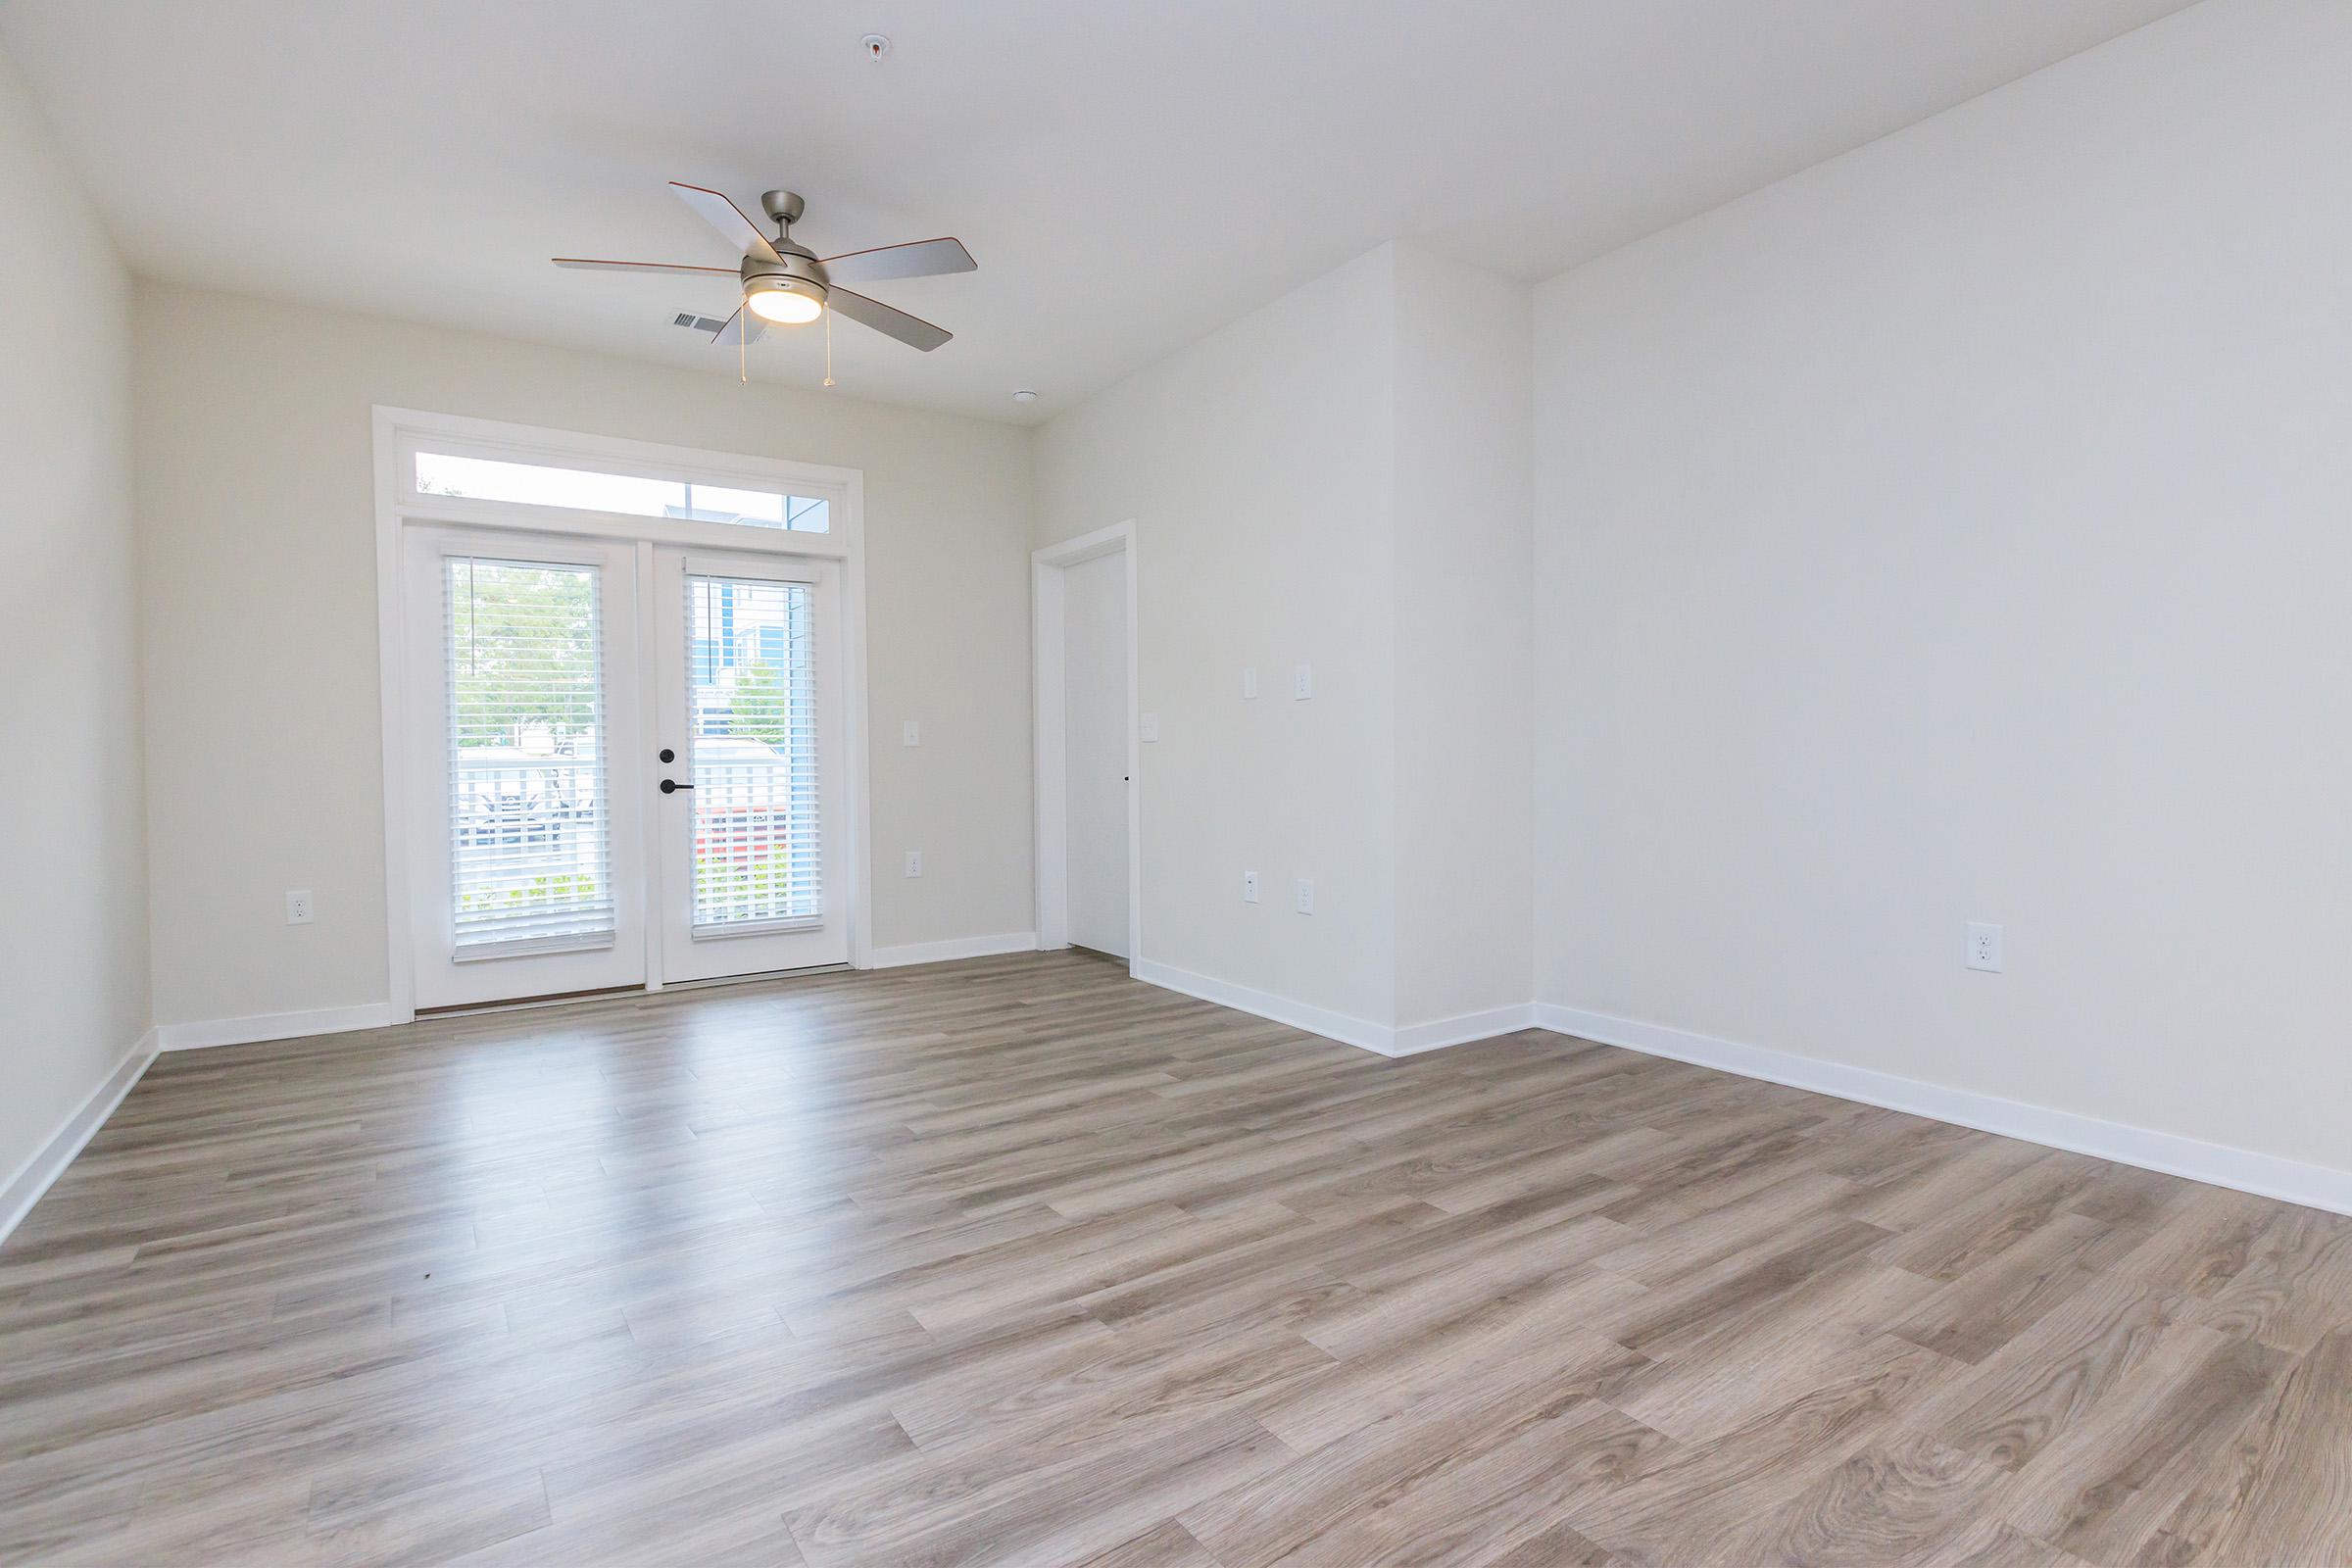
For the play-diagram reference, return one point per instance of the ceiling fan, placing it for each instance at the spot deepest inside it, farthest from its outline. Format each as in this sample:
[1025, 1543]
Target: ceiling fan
[787, 284]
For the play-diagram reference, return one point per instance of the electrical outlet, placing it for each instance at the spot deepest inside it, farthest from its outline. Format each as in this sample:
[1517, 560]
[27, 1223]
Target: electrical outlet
[910, 733]
[1249, 681]
[1302, 683]
[1149, 727]
[1248, 887]
[1306, 896]
[1984, 947]
[298, 907]
[914, 863]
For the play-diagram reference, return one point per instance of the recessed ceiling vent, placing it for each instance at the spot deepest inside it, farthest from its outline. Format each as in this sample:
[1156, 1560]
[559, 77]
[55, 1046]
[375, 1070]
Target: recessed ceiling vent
[698, 323]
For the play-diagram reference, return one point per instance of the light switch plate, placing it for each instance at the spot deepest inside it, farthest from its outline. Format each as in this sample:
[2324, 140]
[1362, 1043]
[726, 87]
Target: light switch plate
[1302, 683]
[1249, 681]
[910, 733]
[1150, 726]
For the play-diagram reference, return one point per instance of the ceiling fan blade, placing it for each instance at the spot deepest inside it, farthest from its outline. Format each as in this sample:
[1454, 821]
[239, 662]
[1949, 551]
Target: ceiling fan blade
[728, 218]
[663, 268]
[922, 257]
[742, 327]
[911, 330]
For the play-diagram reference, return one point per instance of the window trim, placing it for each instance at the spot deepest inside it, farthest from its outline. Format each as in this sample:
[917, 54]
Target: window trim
[401, 433]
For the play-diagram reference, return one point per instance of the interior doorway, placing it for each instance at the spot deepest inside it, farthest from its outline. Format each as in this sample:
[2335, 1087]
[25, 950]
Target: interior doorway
[1087, 834]
[1094, 682]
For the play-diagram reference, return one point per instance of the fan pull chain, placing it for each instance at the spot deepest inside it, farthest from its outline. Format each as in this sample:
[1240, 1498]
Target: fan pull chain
[743, 342]
[828, 345]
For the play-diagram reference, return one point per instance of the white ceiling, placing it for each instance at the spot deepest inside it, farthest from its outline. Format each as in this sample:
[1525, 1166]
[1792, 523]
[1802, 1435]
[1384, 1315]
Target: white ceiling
[1131, 173]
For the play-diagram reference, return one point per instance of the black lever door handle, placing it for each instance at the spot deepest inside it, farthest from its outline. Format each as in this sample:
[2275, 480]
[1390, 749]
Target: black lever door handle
[671, 786]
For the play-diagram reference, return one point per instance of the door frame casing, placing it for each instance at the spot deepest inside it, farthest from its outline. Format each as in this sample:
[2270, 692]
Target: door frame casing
[400, 433]
[1049, 724]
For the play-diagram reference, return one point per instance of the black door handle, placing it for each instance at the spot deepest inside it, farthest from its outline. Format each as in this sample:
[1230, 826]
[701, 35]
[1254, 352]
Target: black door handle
[671, 786]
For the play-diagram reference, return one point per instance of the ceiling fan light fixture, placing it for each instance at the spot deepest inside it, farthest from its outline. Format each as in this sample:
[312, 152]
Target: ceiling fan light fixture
[786, 283]
[784, 304]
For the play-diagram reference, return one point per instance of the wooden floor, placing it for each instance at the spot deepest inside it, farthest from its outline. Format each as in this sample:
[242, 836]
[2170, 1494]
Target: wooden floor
[1020, 1261]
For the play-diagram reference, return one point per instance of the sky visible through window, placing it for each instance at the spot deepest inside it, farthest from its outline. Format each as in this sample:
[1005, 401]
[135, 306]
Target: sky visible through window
[489, 479]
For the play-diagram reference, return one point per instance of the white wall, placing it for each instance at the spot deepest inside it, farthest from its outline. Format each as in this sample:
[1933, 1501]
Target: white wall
[1255, 466]
[256, 524]
[1958, 531]
[1465, 662]
[1342, 479]
[72, 885]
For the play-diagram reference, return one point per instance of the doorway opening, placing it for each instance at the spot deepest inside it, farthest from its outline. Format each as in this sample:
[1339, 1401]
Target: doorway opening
[1089, 832]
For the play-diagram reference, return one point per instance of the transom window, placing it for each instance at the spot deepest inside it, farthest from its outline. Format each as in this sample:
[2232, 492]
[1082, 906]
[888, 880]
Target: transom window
[441, 474]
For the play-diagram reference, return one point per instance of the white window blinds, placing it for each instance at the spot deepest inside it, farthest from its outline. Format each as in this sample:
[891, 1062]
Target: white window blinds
[751, 682]
[529, 814]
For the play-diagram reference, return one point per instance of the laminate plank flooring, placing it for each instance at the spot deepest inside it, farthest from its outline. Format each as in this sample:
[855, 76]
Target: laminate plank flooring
[1020, 1261]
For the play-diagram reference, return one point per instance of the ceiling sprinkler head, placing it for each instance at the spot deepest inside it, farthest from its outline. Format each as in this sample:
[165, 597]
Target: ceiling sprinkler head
[875, 46]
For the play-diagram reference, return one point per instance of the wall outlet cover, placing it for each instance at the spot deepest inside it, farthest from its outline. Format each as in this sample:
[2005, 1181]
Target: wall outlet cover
[1306, 896]
[910, 733]
[1302, 683]
[914, 863]
[1150, 727]
[1248, 887]
[1983, 946]
[299, 911]
[1249, 681]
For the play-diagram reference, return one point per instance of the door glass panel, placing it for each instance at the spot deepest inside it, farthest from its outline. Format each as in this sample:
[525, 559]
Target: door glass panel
[752, 726]
[530, 830]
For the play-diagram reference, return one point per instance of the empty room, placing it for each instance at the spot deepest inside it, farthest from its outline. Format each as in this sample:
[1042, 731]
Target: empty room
[1530, 784]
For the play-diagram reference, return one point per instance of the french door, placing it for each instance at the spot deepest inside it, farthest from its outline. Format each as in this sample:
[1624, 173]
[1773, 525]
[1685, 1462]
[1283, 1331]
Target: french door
[748, 809]
[625, 765]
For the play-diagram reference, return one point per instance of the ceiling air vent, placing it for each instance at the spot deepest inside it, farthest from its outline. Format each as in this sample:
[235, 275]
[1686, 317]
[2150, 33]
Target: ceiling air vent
[698, 323]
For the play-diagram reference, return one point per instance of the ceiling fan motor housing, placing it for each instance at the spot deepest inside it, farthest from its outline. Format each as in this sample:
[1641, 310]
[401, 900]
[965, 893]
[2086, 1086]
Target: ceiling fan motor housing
[795, 270]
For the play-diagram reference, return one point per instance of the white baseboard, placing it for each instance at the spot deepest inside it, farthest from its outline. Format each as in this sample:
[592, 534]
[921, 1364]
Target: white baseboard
[49, 1161]
[1266, 1005]
[2264, 1175]
[950, 950]
[273, 1026]
[2216, 1164]
[1349, 1030]
[1409, 1039]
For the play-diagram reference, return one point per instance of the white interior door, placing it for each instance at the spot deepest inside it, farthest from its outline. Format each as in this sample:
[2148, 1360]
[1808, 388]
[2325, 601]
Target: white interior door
[526, 841]
[1095, 704]
[750, 812]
